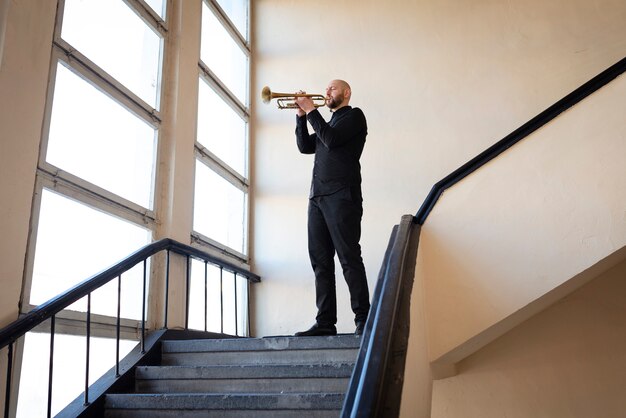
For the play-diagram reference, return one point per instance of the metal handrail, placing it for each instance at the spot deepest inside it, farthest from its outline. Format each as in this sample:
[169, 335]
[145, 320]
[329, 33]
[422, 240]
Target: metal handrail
[520, 133]
[366, 392]
[48, 310]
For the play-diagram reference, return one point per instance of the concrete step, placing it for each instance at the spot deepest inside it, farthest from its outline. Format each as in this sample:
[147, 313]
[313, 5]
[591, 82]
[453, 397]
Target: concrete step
[324, 378]
[255, 351]
[223, 405]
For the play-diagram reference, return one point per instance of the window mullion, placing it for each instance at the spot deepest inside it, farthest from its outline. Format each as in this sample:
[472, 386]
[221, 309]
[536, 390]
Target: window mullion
[78, 189]
[223, 91]
[206, 242]
[149, 16]
[214, 163]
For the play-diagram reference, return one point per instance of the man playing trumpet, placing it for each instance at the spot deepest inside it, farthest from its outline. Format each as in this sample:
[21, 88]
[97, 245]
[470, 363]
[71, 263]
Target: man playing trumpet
[335, 203]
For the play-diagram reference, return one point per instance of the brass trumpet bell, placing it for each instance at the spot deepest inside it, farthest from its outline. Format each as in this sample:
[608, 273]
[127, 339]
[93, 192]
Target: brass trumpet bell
[287, 100]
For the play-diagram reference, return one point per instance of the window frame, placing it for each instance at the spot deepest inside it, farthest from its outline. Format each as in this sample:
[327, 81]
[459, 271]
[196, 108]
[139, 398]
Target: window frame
[70, 186]
[205, 156]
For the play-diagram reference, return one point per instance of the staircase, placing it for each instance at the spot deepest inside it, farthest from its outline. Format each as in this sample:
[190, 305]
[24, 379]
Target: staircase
[253, 377]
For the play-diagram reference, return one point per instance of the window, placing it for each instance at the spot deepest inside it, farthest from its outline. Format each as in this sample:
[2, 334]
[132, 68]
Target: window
[116, 154]
[221, 213]
[220, 129]
[97, 164]
[221, 183]
[75, 241]
[219, 304]
[70, 383]
[113, 36]
[223, 54]
[94, 194]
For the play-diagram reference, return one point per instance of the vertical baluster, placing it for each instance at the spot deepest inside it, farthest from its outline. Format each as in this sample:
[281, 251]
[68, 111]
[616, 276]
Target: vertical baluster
[117, 331]
[248, 304]
[221, 300]
[86, 402]
[167, 286]
[7, 396]
[205, 296]
[235, 281]
[187, 280]
[51, 365]
[143, 311]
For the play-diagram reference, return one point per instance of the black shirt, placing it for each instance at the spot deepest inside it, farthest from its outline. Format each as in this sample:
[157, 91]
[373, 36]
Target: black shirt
[337, 146]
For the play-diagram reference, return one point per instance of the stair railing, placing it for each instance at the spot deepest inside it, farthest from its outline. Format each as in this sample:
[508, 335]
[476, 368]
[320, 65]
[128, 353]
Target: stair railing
[48, 310]
[376, 384]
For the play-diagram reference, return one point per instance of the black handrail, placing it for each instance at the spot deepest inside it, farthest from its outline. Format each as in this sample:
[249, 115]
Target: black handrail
[15, 330]
[48, 310]
[514, 137]
[386, 330]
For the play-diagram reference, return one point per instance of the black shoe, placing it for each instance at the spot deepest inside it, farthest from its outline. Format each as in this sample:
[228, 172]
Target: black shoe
[316, 330]
[360, 326]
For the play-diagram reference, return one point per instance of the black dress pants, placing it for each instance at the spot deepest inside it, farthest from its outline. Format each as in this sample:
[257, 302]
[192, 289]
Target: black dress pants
[334, 225]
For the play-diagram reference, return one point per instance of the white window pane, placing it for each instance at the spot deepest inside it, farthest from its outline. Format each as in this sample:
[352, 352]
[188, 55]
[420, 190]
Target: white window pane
[242, 306]
[114, 37]
[96, 139]
[219, 209]
[68, 373]
[223, 56]
[220, 129]
[229, 305]
[197, 295]
[158, 6]
[237, 11]
[75, 242]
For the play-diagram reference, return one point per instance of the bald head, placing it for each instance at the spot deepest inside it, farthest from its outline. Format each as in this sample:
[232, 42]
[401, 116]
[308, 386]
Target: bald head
[338, 94]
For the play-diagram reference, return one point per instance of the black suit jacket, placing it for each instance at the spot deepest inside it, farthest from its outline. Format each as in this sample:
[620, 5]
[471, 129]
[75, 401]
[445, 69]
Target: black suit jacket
[337, 146]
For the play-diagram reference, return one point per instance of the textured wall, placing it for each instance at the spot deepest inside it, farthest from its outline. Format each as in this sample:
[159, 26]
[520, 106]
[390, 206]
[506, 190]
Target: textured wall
[438, 81]
[568, 361]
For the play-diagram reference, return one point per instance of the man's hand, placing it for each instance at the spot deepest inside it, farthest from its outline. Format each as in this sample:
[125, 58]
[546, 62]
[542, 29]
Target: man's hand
[305, 103]
[299, 110]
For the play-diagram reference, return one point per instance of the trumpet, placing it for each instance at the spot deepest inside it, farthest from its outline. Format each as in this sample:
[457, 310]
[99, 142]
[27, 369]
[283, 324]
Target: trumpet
[287, 100]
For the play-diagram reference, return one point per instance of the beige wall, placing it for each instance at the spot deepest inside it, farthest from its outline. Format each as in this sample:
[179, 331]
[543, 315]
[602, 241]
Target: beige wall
[23, 83]
[438, 81]
[545, 211]
[568, 361]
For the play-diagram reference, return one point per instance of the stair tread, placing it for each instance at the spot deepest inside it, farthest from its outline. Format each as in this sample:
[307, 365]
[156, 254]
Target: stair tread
[347, 341]
[226, 401]
[261, 371]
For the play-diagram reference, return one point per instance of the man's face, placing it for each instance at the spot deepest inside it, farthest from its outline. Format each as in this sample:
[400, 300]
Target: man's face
[335, 95]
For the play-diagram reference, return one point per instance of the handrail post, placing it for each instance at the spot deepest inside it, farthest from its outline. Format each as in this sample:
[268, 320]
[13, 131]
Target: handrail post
[248, 304]
[7, 397]
[235, 281]
[51, 365]
[205, 297]
[187, 282]
[86, 400]
[117, 330]
[143, 311]
[221, 300]
[167, 287]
